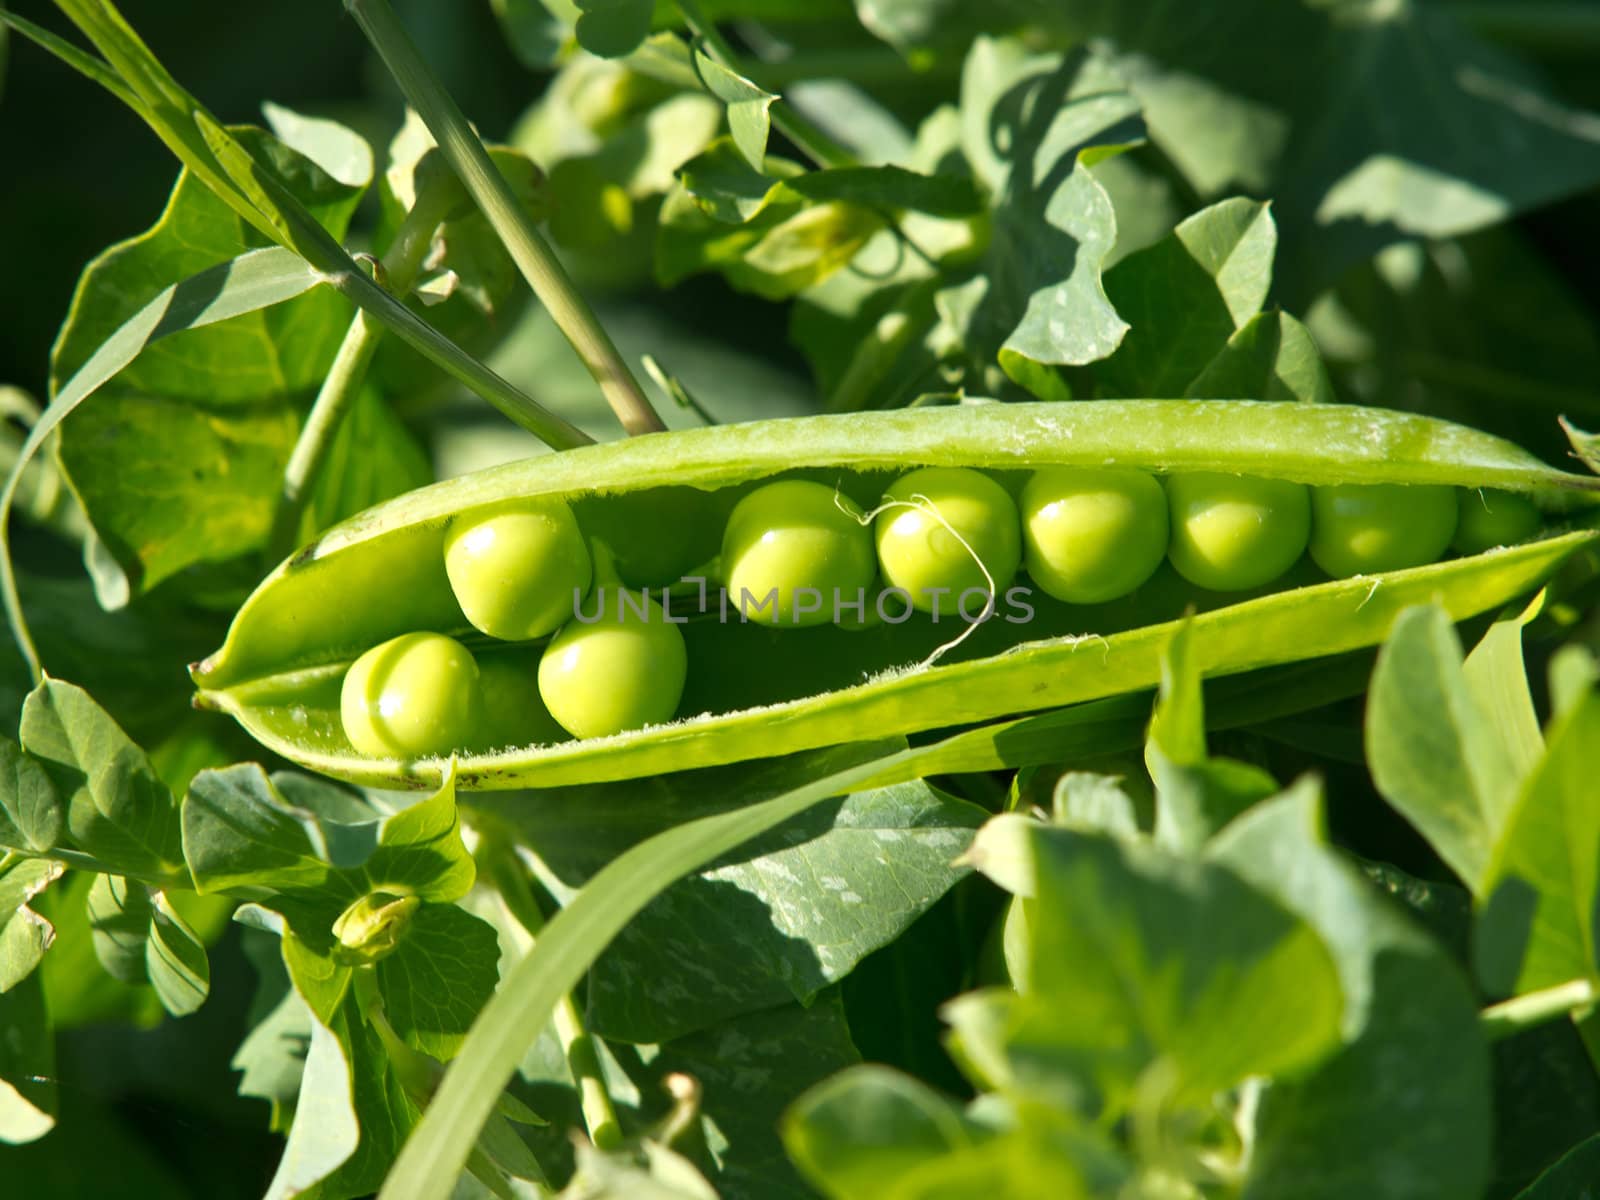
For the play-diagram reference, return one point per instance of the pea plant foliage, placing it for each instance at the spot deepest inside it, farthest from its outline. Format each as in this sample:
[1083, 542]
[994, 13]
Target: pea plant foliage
[480, 718]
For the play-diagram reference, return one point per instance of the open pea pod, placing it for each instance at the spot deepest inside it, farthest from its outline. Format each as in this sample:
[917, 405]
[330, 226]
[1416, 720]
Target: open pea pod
[756, 692]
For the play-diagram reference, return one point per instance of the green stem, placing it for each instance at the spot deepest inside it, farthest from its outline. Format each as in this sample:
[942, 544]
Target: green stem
[342, 385]
[1536, 1008]
[583, 1060]
[543, 271]
[799, 129]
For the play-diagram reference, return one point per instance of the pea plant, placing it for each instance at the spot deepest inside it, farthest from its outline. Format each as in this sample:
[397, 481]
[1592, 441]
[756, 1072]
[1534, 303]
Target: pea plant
[870, 600]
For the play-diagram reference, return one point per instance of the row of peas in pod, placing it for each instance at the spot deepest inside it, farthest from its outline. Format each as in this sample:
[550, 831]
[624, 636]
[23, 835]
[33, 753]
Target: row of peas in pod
[797, 552]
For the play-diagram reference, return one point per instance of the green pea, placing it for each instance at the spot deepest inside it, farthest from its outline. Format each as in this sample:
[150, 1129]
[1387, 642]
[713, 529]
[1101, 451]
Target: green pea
[791, 548]
[518, 572]
[1487, 518]
[1093, 534]
[511, 712]
[414, 696]
[921, 549]
[618, 665]
[1360, 529]
[1233, 532]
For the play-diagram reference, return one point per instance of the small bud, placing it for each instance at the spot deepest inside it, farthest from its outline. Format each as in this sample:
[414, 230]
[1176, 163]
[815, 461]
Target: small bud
[372, 927]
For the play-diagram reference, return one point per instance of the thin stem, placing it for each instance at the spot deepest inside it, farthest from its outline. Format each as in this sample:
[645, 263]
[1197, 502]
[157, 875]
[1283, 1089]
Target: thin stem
[342, 384]
[583, 1060]
[798, 128]
[1536, 1008]
[470, 161]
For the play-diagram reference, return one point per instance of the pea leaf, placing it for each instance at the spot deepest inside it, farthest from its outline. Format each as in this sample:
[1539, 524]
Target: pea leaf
[1541, 883]
[1195, 795]
[611, 28]
[27, 1064]
[1572, 1176]
[245, 832]
[351, 1115]
[116, 807]
[740, 1112]
[1209, 958]
[441, 975]
[1408, 1014]
[30, 811]
[860, 1131]
[1272, 356]
[1434, 753]
[1032, 126]
[223, 399]
[749, 107]
[1186, 296]
[754, 929]
[24, 934]
[534, 31]
[140, 938]
[1465, 136]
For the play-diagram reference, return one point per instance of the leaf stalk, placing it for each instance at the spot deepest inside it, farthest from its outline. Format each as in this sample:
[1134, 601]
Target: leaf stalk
[488, 188]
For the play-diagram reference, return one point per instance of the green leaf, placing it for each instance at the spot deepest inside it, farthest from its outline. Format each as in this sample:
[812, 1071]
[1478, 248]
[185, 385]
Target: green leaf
[570, 943]
[117, 808]
[24, 934]
[535, 33]
[859, 1132]
[1570, 1179]
[1349, 1127]
[249, 834]
[253, 281]
[1195, 795]
[1031, 128]
[1498, 679]
[789, 246]
[1098, 803]
[1271, 356]
[612, 28]
[351, 1117]
[27, 1064]
[1464, 136]
[790, 913]
[272, 1056]
[749, 107]
[1136, 957]
[1541, 884]
[224, 399]
[240, 834]
[30, 810]
[1186, 296]
[1434, 753]
[140, 938]
[738, 1064]
[438, 978]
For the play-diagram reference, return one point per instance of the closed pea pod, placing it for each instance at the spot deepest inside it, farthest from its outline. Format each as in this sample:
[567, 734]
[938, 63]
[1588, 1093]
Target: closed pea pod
[756, 691]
